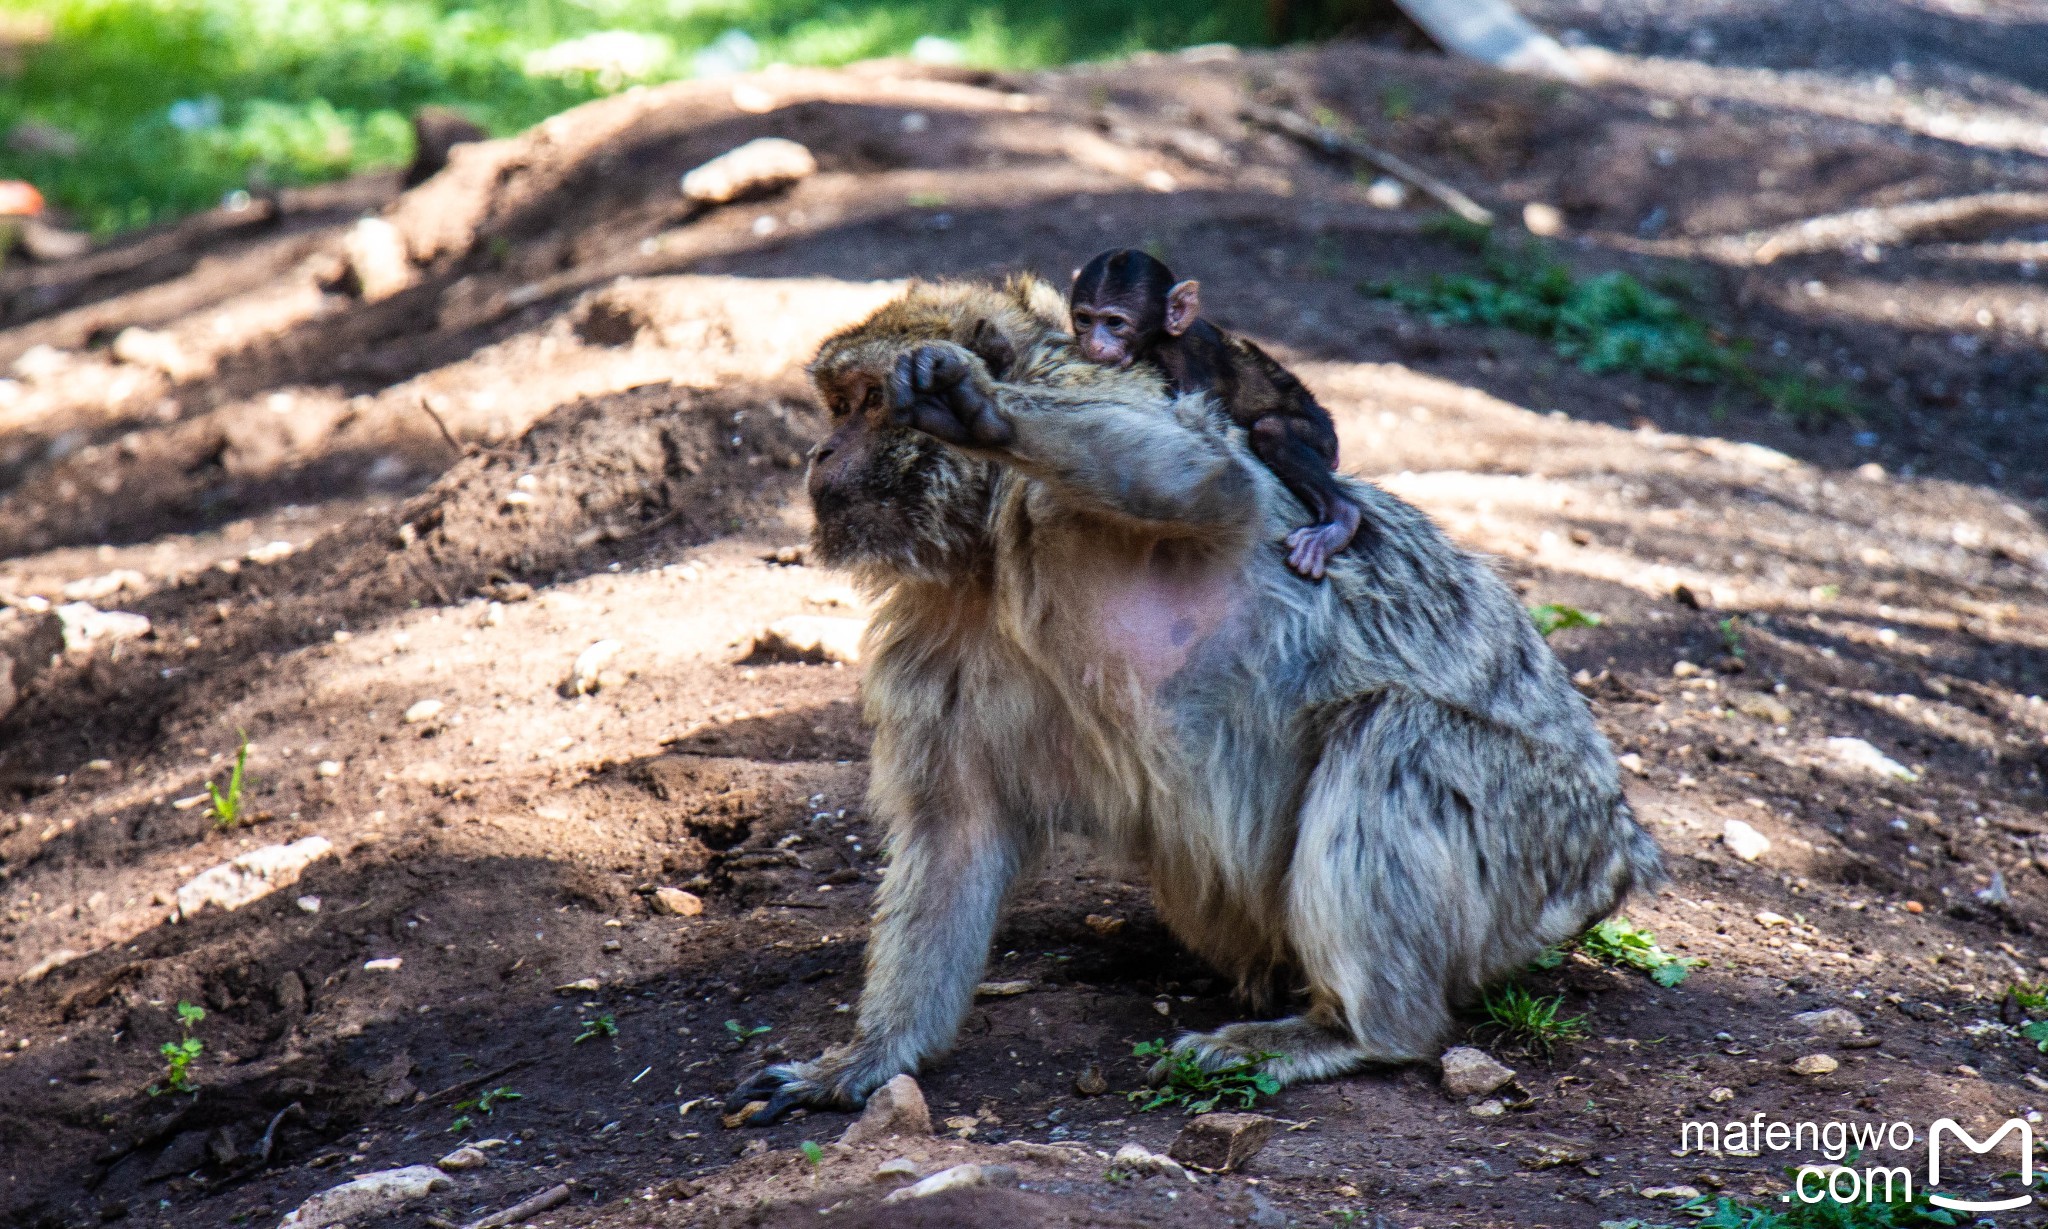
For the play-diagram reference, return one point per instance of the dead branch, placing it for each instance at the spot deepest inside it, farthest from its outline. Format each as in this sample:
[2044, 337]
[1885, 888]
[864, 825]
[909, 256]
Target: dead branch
[551, 1197]
[1330, 141]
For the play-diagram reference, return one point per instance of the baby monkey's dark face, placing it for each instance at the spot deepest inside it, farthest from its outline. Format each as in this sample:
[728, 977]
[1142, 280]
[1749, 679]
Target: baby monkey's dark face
[1108, 333]
[1124, 304]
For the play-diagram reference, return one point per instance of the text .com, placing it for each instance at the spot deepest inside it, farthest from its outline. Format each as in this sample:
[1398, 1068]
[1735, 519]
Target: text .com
[1872, 1182]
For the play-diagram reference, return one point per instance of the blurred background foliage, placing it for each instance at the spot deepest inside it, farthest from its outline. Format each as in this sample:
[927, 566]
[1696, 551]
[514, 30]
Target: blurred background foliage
[126, 112]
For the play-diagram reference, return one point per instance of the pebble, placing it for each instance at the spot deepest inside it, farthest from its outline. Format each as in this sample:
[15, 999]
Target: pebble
[83, 626]
[149, 348]
[1469, 1072]
[1829, 1022]
[370, 1198]
[678, 902]
[250, 876]
[1857, 753]
[376, 255]
[896, 1108]
[1492, 1107]
[898, 1169]
[1767, 919]
[1634, 763]
[813, 639]
[1542, 220]
[465, 1157]
[423, 710]
[1815, 1064]
[1744, 841]
[1138, 1159]
[328, 768]
[384, 964]
[954, 1179]
[1222, 1142]
[1002, 989]
[1721, 1096]
[1091, 1082]
[761, 164]
[1671, 1192]
[1104, 924]
[581, 985]
[1762, 707]
[308, 903]
[584, 676]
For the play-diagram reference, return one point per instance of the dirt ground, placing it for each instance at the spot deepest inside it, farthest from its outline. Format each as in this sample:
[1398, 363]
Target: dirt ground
[585, 420]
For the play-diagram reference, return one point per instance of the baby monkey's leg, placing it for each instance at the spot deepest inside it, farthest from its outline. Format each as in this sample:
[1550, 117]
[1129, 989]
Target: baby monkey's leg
[1288, 447]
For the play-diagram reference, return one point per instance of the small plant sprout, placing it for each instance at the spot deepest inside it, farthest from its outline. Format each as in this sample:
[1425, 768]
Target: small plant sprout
[485, 1102]
[179, 1054]
[227, 803]
[1731, 637]
[1532, 1022]
[463, 1122]
[606, 1025]
[1238, 1085]
[812, 1152]
[1552, 617]
[741, 1032]
[1620, 941]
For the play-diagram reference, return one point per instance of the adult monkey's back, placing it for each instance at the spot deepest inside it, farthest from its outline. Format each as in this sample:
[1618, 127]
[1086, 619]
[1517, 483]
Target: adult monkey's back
[1383, 784]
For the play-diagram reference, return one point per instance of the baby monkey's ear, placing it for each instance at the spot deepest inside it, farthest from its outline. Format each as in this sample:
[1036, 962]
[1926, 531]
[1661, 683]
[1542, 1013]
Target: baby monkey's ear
[1183, 306]
[992, 348]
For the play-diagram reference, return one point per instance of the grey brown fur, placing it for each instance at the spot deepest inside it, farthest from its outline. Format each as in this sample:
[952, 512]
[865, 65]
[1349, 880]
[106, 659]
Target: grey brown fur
[1384, 785]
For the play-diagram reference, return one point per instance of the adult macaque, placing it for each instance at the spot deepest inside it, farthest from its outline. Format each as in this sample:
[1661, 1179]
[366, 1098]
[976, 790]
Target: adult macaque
[1126, 307]
[1384, 783]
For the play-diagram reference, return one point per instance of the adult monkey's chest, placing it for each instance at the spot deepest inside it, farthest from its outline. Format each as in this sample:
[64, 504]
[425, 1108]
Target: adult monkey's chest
[1151, 612]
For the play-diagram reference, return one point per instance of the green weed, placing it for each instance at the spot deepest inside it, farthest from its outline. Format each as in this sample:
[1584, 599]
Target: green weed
[1731, 637]
[812, 1152]
[1532, 1022]
[1619, 941]
[226, 804]
[463, 1122]
[166, 105]
[1725, 1213]
[1196, 1091]
[1552, 617]
[179, 1054]
[488, 1101]
[606, 1025]
[741, 1032]
[1609, 323]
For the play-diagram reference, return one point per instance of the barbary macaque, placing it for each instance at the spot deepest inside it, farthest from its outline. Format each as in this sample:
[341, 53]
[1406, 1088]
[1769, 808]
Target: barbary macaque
[1126, 307]
[1384, 784]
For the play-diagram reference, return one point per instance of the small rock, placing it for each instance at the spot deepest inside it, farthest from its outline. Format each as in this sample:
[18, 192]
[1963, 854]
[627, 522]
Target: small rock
[384, 964]
[757, 166]
[1542, 220]
[1830, 1022]
[1549, 1154]
[465, 1157]
[1856, 753]
[582, 985]
[1472, 1073]
[678, 902]
[1492, 1107]
[590, 663]
[1721, 1096]
[327, 768]
[1002, 989]
[270, 552]
[1683, 669]
[93, 588]
[1767, 919]
[1386, 192]
[815, 639]
[956, 1178]
[1671, 1192]
[250, 876]
[1744, 841]
[43, 968]
[962, 1125]
[369, 1198]
[1762, 707]
[1136, 1159]
[157, 351]
[423, 710]
[1221, 1142]
[1091, 1082]
[1967, 1071]
[899, 1169]
[896, 1108]
[611, 945]
[1815, 1064]
[1995, 892]
[738, 1118]
[308, 903]
[83, 626]
[1634, 763]
[376, 256]
[1914, 906]
[1104, 924]
[789, 556]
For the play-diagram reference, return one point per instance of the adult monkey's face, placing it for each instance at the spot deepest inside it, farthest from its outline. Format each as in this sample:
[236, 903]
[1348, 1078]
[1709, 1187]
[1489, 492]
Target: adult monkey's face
[893, 503]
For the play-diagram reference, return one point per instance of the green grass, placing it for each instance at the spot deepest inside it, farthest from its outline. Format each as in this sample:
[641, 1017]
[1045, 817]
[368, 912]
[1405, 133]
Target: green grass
[1552, 617]
[226, 804]
[606, 1025]
[742, 1032]
[175, 102]
[1536, 1024]
[1607, 324]
[1725, 1213]
[489, 1100]
[180, 1054]
[1237, 1085]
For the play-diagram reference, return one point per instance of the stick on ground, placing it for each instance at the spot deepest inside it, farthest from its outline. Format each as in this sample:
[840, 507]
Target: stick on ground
[551, 1197]
[1331, 141]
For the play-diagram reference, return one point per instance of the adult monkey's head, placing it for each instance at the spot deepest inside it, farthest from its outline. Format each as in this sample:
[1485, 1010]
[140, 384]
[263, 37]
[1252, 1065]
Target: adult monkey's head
[893, 503]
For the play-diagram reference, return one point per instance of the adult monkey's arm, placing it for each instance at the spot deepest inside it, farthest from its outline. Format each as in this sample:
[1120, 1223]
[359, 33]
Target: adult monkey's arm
[1138, 462]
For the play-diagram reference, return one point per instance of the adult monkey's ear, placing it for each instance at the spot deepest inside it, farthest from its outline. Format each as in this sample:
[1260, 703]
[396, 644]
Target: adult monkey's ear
[988, 343]
[1183, 306]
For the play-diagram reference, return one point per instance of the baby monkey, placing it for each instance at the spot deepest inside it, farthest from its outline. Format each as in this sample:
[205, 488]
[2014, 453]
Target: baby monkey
[1127, 308]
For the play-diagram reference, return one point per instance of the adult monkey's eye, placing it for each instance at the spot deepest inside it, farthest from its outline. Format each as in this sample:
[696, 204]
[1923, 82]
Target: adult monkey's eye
[871, 398]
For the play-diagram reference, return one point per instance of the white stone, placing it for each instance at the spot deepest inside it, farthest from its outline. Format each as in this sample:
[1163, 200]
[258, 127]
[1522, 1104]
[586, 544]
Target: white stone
[1470, 1072]
[811, 638]
[760, 164]
[369, 1199]
[678, 902]
[1542, 219]
[251, 876]
[466, 1157]
[1138, 1159]
[270, 552]
[1744, 841]
[93, 588]
[376, 255]
[590, 663]
[328, 768]
[1829, 1022]
[1856, 753]
[83, 626]
[384, 964]
[956, 1178]
[424, 710]
[159, 351]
